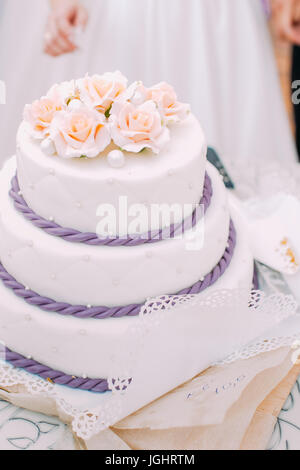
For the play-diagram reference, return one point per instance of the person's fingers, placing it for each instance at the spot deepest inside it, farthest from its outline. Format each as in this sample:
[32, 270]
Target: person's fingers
[63, 43]
[55, 41]
[63, 23]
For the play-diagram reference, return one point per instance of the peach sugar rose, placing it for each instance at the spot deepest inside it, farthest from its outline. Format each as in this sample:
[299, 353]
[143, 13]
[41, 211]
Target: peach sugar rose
[134, 128]
[82, 132]
[100, 91]
[40, 115]
[165, 97]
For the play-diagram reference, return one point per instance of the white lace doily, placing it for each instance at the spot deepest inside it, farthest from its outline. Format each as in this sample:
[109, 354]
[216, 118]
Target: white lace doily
[92, 413]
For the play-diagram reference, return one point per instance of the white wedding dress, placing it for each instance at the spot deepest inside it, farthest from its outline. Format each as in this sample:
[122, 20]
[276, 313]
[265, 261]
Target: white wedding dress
[217, 54]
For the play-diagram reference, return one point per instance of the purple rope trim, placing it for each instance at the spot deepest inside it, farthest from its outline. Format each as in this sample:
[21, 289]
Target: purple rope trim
[131, 310]
[76, 236]
[58, 378]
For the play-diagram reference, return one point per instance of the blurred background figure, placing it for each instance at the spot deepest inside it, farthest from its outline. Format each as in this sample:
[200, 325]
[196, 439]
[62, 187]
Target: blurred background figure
[216, 53]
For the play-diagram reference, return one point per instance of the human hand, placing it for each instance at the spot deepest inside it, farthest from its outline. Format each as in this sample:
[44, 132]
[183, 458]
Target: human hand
[66, 15]
[286, 19]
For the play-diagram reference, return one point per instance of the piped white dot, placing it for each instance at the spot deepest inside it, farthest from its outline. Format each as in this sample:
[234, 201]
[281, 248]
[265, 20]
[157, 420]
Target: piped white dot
[116, 282]
[202, 279]
[110, 181]
[82, 332]
[20, 193]
[29, 358]
[51, 218]
[27, 288]
[89, 306]
[78, 205]
[84, 376]
[51, 171]
[87, 258]
[54, 350]
[53, 277]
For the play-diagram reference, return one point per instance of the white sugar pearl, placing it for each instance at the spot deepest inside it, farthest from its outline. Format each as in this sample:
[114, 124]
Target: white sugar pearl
[116, 159]
[48, 146]
[53, 277]
[74, 105]
[51, 218]
[78, 205]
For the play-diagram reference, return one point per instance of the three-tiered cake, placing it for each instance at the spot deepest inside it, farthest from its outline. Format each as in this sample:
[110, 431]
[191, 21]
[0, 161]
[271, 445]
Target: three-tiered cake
[82, 247]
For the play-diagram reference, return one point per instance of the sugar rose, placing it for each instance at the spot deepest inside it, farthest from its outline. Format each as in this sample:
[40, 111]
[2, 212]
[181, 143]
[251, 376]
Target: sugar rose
[166, 99]
[63, 93]
[39, 115]
[79, 133]
[134, 128]
[101, 91]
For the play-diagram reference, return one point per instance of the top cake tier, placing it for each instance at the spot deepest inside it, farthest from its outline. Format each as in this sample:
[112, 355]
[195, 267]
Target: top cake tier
[95, 144]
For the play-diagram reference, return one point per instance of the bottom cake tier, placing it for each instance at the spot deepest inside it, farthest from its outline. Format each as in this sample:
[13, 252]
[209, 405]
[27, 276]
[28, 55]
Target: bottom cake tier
[95, 349]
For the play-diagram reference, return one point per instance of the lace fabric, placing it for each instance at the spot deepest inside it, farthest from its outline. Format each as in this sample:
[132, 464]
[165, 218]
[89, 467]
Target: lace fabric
[91, 414]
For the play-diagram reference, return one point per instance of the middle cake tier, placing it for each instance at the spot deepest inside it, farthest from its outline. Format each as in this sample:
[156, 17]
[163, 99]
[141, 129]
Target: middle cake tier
[103, 275]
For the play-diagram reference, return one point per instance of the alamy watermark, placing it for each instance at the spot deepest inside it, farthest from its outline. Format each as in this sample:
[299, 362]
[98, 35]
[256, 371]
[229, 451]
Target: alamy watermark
[155, 221]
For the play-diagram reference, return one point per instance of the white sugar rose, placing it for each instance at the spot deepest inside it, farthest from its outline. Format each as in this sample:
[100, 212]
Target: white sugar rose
[79, 133]
[64, 93]
[134, 128]
[166, 99]
[101, 91]
[40, 115]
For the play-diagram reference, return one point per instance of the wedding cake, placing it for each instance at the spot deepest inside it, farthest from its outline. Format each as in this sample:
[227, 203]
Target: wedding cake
[108, 203]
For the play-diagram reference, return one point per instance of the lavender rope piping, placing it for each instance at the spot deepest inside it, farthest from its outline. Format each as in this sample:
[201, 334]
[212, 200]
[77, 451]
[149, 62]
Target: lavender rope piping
[58, 378]
[76, 236]
[131, 310]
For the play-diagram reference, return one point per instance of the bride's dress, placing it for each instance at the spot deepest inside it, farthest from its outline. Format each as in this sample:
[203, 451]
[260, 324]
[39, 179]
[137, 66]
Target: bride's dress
[217, 54]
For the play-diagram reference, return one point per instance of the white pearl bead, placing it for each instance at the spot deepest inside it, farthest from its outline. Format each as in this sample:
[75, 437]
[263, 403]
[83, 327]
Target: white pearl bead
[75, 104]
[116, 159]
[48, 146]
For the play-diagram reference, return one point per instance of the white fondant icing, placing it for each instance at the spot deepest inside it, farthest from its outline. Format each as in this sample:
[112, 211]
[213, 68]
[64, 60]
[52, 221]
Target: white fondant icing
[79, 282]
[95, 347]
[60, 183]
